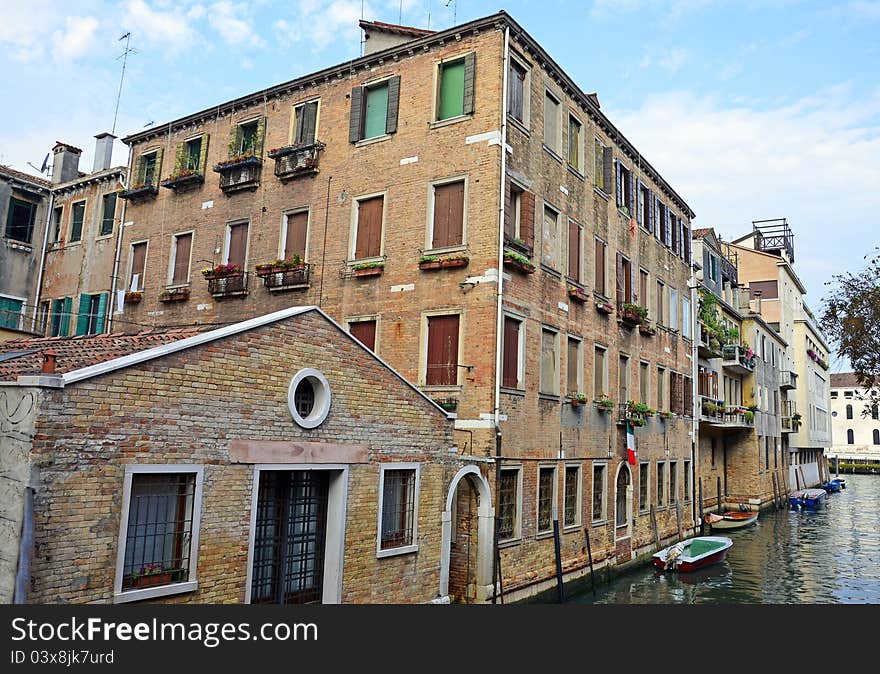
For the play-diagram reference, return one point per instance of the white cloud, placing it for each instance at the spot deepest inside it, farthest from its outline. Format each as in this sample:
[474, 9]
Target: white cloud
[172, 30]
[815, 161]
[322, 24]
[235, 29]
[75, 39]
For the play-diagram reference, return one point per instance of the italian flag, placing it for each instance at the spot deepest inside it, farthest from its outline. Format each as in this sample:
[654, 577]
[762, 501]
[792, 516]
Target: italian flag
[630, 445]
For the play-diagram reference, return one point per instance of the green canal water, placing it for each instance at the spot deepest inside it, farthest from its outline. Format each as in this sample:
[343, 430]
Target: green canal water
[829, 556]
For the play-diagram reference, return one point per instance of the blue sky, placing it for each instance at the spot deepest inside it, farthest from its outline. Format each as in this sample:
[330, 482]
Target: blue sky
[750, 109]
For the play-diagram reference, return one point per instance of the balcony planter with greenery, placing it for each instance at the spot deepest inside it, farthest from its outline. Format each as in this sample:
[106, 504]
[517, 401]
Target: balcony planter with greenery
[174, 295]
[518, 262]
[637, 413]
[222, 271]
[604, 307]
[368, 269]
[632, 314]
[279, 266]
[237, 161]
[604, 404]
[139, 192]
[577, 399]
[519, 245]
[183, 180]
[796, 420]
[712, 409]
[749, 416]
[134, 296]
[295, 160]
[449, 404]
[647, 329]
[666, 415]
[429, 262]
[577, 293]
[153, 575]
[455, 261]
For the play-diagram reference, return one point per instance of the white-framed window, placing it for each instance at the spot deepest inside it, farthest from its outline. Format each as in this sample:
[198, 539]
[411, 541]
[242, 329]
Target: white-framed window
[308, 398]
[236, 246]
[600, 499]
[181, 258]
[510, 504]
[447, 213]
[368, 226]
[686, 317]
[456, 80]
[398, 509]
[365, 329]
[441, 350]
[546, 498]
[159, 531]
[519, 90]
[549, 381]
[374, 108]
[574, 365]
[552, 123]
[11, 311]
[513, 348]
[575, 144]
[137, 265]
[304, 122]
[572, 496]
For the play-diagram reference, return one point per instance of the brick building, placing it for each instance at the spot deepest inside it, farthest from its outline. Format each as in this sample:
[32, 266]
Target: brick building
[469, 212]
[275, 460]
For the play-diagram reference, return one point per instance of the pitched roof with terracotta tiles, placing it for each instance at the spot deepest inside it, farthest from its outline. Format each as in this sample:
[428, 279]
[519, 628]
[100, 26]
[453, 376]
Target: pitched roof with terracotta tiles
[700, 233]
[844, 380]
[411, 31]
[19, 175]
[22, 357]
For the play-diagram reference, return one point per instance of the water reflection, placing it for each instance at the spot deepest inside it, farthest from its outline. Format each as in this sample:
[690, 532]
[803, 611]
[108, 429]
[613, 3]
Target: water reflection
[787, 557]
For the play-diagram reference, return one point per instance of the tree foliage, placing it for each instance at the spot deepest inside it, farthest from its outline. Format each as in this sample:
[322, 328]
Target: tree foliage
[851, 320]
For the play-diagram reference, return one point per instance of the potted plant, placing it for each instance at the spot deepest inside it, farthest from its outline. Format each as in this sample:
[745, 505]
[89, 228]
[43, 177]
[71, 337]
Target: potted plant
[666, 415]
[449, 404]
[152, 575]
[428, 262]
[518, 262]
[639, 409]
[174, 294]
[279, 266]
[796, 420]
[749, 416]
[134, 296]
[368, 268]
[647, 329]
[604, 307]
[632, 314]
[604, 403]
[577, 399]
[577, 293]
[455, 261]
[221, 270]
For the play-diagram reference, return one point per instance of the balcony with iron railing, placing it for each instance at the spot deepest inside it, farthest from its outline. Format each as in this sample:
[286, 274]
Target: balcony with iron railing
[708, 344]
[715, 413]
[293, 161]
[774, 236]
[737, 358]
[787, 380]
[293, 278]
[789, 418]
[239, 173]
[228, 285]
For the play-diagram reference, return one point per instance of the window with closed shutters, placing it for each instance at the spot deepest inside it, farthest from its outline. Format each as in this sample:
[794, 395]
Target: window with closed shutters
[180, 269]
[599, 377]
[574, 250]
[600, 267]
[511, 353]
[573, 366]
[442, 362]
[296, 231]
[138, 263]
[552, 128]
[448, 227]
[368, 240]
[10, 313]
[643, 288]
[549, 362]
[305, 123]
[575, 144]
[516, 91]
[364, 332]
[237, 244]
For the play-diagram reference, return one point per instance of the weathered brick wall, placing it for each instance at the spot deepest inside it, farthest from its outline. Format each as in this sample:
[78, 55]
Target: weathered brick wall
[186, 408]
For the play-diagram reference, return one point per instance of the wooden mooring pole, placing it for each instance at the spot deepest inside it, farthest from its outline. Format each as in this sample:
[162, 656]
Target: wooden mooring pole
[702, 521]
[656, 530]
[590, 557]
[556, 545]
[775, 493]
[718, 488]
[678, 520]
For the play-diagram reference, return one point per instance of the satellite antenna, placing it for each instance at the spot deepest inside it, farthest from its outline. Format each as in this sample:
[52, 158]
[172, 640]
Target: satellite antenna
[124, 56]
[44, 168]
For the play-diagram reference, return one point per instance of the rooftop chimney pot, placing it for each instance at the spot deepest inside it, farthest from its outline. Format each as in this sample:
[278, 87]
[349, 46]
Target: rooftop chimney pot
[49, 357]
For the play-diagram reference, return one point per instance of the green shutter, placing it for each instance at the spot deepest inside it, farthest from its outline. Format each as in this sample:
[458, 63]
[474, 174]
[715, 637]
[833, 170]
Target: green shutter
[393, 104]
[158, 169]
[259, 137]
[10, 313]
[102, 313]
[376, 111]
[451, 90]
[203, 154]
[235, 140]
[354, 122]
[108, 202]
[138, 173]
[66, 311]
[180, 155]
[82, 318]
[470, 65]
[309, 122]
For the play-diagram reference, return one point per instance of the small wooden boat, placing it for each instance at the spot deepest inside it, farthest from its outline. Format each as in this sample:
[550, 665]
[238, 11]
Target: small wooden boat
[807, 498]
[731, 519]
[695, 553]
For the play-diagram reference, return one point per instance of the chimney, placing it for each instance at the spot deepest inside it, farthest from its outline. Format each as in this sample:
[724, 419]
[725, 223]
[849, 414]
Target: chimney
[65, 165]
[757, 294]
[379, 36]
[103, 151]
[49, 361]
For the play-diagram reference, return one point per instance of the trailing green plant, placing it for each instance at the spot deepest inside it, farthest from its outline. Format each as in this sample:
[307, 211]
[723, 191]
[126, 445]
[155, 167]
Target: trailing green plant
[641, 409]
[428, 258]
[749, 416]
[516, 257]
[368, 265]
[635, 309]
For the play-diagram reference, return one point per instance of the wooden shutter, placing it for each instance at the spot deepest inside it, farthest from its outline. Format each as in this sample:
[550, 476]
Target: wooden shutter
[619, 275]
[180, 155]
[295, 236]
[235, 136]
[448, 214]
[470, 63]
[138, 171]
[355, 121]
[649, 207]
[102, 313]
[82, 318]
[66, 312]
[369, 227]
[510, 357]
[183, 244]
[608, 167]
[574, 250]
[668, 240]
[632, 195]
[632, 284]
[638, 208]
[308, 123]
[393, 104]
[643, 289]
[158, 170]
[138, 261]
[203, 154]
[237, 244]
[259, 137]
[509, 214]
[527, 219]
[600, 267]
[686, 235]
[364, 332]
[571, 365]
[618, 197]
[688, 396]
[442, 364]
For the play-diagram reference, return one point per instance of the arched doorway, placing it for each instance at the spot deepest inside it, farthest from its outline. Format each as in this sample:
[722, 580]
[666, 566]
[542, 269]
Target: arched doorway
[623, 493]
[466, 545]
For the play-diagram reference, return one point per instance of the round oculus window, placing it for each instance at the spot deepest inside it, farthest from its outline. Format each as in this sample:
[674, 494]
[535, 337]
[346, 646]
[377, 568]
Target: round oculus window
[308, 398]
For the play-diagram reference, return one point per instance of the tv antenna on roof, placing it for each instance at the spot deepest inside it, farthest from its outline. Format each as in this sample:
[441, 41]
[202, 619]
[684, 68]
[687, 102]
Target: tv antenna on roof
[454, 4]
[124, 56]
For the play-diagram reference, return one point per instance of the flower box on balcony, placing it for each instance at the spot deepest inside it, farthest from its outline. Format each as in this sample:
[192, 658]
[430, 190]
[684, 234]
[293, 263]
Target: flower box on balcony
[604, 404]
[221, 271]
[296, 160]
[430, 262]
[577, 399]
[605, 308]
[632, 314]
[666, 415]
[518, 262]
[279, 266]
[647, 329]
[185, 180]
[519, 245]
[449, 404]
[368, 269]
[174, 295]
[134, 296]
[140, 192]
[239, 173]
[578, 294]
[455, 261]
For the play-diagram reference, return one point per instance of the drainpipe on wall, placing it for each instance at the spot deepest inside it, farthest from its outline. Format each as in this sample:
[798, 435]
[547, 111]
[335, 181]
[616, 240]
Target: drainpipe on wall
[499, 326]
[39, 292]
[112, 300]
[26, 545]
[695, 404]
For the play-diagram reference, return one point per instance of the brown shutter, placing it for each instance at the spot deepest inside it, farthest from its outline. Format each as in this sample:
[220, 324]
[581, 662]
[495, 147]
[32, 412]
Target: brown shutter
[527, 219]
[295, 237]
[369, 227]
[355, 124]
[572, 366]
[643, 289]
[308, 122]
[237, 244]
[448, 214]
[688, 396]
[600, 266]
[470, 64]
[574, 251]
[620, 294]
[442, 365]
[181, 259]
[630, 294]
[365, 333]
[608, 168]
[510, 358]
[509, 231]
[393, 104]
[138, 261]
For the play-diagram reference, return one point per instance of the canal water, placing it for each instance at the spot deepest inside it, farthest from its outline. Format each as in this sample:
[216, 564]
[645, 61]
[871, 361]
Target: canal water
[828, 556]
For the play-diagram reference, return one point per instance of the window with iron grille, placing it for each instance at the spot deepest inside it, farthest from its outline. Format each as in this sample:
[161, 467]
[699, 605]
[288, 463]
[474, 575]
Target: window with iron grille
[661, 483]
[546, 478]
[572, 492]
[158, 536]
[508, 499]
[673, 482]
[598, 492]
[398, 508]
[644, 478]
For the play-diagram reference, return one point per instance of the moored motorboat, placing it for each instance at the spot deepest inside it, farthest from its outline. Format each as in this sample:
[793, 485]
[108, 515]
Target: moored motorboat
[731, 519]
[832, 486]
[807, 498]
[841, 481]
[692, 554]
